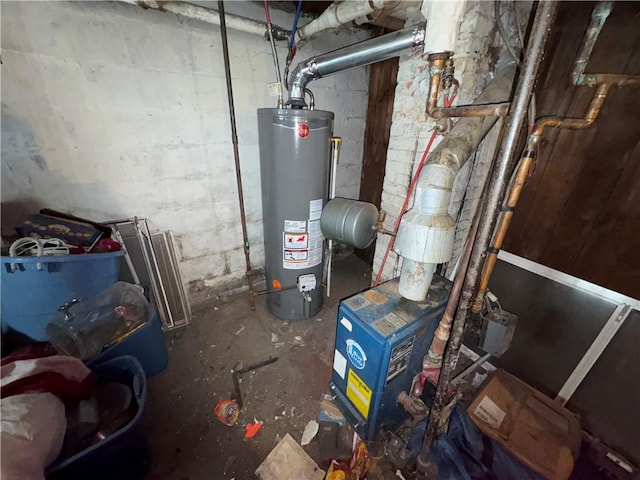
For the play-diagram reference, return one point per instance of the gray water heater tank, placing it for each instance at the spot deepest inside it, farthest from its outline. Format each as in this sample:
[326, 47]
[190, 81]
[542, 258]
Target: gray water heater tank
[295, 150]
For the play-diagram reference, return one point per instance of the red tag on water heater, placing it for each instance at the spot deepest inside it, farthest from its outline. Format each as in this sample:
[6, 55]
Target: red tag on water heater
[303, 130]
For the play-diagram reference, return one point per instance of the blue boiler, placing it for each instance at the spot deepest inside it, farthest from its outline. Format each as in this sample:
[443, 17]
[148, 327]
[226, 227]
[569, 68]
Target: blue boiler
[381, 339]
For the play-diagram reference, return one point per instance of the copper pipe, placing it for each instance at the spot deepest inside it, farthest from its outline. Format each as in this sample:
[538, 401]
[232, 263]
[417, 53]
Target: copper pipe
[543, 20]
[503, 225]
[432, 361]
[437, 62]
[526, 161]
[489, 110]
[615, 79]
[572, 123]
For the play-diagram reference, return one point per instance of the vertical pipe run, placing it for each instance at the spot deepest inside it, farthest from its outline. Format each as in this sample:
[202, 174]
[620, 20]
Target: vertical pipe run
[527, 159]
[543, 21]
[274, 53]
[236, 152]
[336, 142]
[598, 18]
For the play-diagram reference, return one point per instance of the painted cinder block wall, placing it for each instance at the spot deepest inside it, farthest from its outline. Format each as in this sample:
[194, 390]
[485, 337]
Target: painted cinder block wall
[111, 111]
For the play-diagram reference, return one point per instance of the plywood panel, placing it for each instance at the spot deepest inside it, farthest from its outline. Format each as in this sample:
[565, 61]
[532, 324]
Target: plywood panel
[579, 212]
[382, 85]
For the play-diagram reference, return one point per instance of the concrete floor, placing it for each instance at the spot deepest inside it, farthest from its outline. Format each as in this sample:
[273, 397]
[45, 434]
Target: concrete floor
[188, 442]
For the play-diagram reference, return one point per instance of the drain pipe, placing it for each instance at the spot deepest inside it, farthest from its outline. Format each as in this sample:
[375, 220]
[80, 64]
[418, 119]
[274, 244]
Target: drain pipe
[341, 13]
[207, 15]
[425, 236]
[356, 55]
[544, 18]
[236, 153]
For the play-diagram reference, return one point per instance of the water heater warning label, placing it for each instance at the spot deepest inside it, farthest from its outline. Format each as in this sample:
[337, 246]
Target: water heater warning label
[358, 393]
[297, 241]
[295, 250]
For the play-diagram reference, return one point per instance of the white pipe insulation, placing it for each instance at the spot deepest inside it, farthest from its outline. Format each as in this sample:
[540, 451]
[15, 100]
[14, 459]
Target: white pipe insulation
[426, 232]
[341, 13]
[443, 20]
[203, 14]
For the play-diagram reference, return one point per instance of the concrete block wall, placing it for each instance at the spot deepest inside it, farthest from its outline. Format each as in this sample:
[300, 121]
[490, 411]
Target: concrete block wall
[111, 111]
[477, 51]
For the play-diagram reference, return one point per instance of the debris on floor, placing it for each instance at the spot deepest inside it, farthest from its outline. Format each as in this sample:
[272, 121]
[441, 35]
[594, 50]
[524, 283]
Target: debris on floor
[356, 469]
[238, 370]
[252, 429]
[329, 412]
[227, 411]
[310, 431]
[289, 460]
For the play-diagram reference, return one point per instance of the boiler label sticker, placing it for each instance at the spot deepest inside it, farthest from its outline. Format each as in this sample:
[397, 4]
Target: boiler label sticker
[339, 363]
[296, 241]
[295, 226]
[400, 357]
[358, 393]
[315, 209]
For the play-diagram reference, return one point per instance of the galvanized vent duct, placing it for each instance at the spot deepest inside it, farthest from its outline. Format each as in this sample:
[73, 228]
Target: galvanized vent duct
[356, 55]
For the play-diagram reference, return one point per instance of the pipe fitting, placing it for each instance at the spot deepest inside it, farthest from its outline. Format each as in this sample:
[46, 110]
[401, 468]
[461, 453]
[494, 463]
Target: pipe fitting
[414, 406]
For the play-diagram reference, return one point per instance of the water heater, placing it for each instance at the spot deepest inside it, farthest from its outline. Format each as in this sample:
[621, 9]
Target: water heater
[295, 149]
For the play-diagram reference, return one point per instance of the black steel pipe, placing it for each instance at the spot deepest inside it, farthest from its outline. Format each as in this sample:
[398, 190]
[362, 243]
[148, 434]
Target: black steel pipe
[236, 151]
[545, 15]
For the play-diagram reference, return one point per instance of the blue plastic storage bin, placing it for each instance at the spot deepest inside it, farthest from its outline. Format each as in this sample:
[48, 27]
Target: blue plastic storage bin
[146, 344]
[33, 288]
[124, 454]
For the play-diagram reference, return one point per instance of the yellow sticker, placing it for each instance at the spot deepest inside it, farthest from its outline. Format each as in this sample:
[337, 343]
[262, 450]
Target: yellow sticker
[359, 393]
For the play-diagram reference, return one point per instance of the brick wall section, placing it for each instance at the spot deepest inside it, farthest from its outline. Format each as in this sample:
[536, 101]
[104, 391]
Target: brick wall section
[476, 53]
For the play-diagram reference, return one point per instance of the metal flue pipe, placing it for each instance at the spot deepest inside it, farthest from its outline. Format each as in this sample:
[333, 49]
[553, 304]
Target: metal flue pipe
[353, 56]
[544, 18]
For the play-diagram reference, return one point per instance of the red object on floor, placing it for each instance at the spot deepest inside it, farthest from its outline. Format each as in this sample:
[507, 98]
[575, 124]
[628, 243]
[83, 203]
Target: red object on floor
[251, 429]
[227, 411]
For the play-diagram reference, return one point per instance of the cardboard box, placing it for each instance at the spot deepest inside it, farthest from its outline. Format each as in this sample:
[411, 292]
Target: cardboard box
[539, 432]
